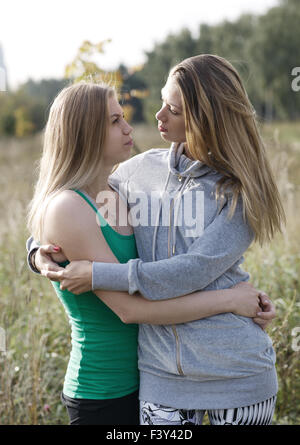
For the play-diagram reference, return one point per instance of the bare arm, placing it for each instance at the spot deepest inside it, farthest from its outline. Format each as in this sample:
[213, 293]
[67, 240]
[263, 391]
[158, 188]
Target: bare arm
[242, 300]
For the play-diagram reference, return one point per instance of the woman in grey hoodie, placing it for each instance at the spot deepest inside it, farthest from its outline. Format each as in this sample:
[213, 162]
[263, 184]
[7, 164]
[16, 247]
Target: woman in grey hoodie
[216, 169]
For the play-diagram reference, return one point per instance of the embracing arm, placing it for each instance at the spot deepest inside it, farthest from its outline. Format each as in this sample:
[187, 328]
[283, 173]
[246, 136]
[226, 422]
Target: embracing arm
[31, 247]
[220, 246]
[89, 243]
[243, 300]
[39, 257]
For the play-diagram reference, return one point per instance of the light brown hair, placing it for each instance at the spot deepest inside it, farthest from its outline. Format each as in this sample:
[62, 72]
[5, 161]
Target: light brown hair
[222, 132]
[74, 137]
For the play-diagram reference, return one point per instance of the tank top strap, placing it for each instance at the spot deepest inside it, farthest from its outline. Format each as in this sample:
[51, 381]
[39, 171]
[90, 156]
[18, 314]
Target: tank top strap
[120, 245]
[103, 222]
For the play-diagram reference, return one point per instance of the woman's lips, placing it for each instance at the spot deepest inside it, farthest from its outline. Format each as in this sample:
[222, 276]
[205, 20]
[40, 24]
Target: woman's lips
[162, 129]
[129, 143]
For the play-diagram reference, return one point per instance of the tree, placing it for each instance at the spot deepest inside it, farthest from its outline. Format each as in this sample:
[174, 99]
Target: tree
[276, 49]
[44, 90]
[128, 84]
[264, 49]
[132, 92]
[159, 62]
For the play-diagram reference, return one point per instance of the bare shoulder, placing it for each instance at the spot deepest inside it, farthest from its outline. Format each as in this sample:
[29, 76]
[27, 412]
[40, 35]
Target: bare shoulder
[66, 205]
[67, 200]
[65, 216]
[71, 224]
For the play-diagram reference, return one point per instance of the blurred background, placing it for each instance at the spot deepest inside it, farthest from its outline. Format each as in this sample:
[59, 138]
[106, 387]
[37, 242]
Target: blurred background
[47, 45]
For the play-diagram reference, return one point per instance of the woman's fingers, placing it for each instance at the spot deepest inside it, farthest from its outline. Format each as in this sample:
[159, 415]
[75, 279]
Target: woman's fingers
[52, 275]
[68, 285]
[262, 323]
[49, 248]
[43, 259]
[268, 311]
[266, 315]
[264, 298]
[50, 267]
[64, 283]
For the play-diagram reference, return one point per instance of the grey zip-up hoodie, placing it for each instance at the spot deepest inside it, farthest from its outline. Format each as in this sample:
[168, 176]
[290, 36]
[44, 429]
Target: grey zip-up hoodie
[223, 361]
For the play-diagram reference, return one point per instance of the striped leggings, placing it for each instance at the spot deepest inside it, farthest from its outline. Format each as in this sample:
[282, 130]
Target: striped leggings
[258, 414]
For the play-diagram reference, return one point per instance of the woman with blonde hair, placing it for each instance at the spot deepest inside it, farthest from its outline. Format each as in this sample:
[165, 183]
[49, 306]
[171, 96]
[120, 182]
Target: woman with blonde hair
[86, 136]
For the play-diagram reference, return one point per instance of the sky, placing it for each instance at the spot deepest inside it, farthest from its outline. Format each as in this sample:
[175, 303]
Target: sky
[39, 37]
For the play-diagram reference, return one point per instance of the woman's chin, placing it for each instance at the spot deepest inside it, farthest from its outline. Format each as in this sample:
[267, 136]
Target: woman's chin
[165, 137]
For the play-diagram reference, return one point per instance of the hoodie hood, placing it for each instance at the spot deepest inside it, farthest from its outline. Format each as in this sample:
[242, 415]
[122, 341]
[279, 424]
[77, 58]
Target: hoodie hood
[181, 165]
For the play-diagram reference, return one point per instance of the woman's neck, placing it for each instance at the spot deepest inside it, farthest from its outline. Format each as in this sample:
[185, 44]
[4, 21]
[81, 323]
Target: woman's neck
[186, 151]
[100, 184]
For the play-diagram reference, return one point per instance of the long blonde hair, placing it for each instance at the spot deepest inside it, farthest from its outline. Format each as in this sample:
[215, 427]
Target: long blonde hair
[222, 132]
[74, 137]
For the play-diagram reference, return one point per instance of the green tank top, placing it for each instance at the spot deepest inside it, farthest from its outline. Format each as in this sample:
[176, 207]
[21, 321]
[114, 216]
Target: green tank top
[103, 359]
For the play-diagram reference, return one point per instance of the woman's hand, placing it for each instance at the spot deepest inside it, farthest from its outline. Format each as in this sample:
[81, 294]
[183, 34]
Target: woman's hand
[245, 300]
[250, 302]
[267, 313]
[76, 277]
[43, 260]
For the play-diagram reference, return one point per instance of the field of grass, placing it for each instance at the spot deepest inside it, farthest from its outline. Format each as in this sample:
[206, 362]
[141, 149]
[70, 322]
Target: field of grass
[37, 331]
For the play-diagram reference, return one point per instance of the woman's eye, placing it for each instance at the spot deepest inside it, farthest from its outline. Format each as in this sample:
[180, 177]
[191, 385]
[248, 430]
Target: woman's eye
[118, 119]
[169, 108]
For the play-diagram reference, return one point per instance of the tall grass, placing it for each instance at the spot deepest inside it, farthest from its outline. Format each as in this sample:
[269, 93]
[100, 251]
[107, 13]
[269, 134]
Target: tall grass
[37, 332]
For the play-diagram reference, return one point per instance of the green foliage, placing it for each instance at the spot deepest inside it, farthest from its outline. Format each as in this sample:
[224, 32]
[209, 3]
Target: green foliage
[25, 111]
[264, 49]
[83, 67]
[159, 61]
[132, 91]
[232, 40]
[276, 51]
[274, 269]
[130, 86]
[37, 332]
[44, 91]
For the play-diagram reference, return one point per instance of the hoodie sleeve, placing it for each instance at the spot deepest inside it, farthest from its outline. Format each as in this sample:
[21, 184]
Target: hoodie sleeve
[221, 245]
[31, 247]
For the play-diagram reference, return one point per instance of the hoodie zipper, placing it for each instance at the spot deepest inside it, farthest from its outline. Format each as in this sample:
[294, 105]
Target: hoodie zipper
[179, 368]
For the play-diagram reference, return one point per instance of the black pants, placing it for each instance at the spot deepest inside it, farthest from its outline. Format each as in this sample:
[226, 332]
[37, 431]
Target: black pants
[120, 411]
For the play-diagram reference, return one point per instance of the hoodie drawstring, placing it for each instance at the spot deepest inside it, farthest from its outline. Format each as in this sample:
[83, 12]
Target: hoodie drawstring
[190, 169]
[158, 216]
[176, 212]
[177, 200]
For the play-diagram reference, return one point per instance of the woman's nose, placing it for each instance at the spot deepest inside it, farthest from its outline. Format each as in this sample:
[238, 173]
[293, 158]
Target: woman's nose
[127, 129]
[160, 115]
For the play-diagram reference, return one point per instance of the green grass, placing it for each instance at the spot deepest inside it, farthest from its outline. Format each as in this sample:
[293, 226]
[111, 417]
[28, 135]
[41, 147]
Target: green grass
[286, 132]
[37, 330]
